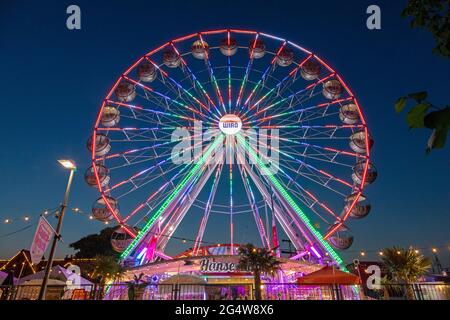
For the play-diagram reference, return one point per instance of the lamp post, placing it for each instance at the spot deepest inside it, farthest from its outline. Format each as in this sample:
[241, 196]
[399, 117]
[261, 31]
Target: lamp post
[70, 165]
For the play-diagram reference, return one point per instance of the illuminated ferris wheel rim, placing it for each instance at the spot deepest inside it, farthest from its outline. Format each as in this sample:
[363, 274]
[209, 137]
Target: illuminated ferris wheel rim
[147, 57]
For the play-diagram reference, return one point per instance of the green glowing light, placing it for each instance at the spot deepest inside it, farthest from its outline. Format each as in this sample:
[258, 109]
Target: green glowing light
[170, 198]
[292, 203]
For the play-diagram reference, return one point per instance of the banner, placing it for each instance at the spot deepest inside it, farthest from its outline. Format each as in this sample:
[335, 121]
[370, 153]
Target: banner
[44, 233]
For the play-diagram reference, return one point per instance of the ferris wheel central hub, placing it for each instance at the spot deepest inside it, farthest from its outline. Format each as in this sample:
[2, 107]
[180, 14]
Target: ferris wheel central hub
[230, 124]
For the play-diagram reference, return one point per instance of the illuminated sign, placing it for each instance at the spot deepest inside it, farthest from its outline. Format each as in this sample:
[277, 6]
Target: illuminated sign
[230, 124]
[219, 266]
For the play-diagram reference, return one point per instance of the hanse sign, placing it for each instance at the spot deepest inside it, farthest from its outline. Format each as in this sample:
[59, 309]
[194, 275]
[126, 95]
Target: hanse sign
[213, 266]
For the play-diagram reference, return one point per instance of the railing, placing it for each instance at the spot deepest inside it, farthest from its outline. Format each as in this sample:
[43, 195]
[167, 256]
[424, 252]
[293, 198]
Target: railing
[272, 291]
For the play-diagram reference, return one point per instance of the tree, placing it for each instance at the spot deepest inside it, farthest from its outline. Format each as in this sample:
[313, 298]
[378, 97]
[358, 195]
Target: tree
[404, 265]
[258, 261]
[95, 244]
[106, 268]
[434, 16]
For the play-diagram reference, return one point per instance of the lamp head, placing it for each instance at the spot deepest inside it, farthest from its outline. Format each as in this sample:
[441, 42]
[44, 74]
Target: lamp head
[68, 164]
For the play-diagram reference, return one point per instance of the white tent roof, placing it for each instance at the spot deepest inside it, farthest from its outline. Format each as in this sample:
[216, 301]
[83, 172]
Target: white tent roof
[57, 273]
[3, 276]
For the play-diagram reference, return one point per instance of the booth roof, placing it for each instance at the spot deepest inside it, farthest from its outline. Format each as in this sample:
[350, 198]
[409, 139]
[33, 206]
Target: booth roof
[329, 275]
[57, 273]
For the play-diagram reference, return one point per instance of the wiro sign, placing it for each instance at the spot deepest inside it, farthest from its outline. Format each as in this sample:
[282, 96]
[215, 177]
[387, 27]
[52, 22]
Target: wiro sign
[213, 266]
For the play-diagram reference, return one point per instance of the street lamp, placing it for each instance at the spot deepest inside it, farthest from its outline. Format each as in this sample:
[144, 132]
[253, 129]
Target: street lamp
[70, 165]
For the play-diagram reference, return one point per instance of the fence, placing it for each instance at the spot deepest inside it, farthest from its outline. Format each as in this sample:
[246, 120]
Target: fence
[272, 291]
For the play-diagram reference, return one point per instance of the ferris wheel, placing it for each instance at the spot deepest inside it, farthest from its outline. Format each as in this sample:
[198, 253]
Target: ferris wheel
[230, 122]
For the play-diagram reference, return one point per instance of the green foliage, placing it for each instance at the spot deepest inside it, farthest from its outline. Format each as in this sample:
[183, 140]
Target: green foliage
[434, 16]
[107, 267]
[420, 116]
[259, 261]
[94, 244]
[404, 265]
[416, 115]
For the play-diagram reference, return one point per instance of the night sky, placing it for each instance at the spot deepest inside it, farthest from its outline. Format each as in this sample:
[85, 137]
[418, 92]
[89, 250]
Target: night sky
[53, 81]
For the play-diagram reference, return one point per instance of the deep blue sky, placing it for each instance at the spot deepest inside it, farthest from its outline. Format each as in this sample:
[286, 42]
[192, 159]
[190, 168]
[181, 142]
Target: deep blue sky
[53, 80]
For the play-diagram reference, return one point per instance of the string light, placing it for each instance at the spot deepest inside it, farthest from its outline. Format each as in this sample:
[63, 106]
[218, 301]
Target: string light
[362, 253]
[27, 218]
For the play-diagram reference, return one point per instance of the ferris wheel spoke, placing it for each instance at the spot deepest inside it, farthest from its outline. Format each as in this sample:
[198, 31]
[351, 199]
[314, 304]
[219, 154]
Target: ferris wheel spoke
[309, 200]
[211, 73]
[154, 195]
[185, 203]
[305, 114]
[325, 176]
[189, 96]
[281, 86]
[168, 101]
[148, 170]
[148, 153]
[293, 98]
[301, 114]
[207, 209]
[133, 151]
[321, 179]
[260, 83]
[311, 231]
[292, 180]
[305, 132]
[319, 156]
[152, 116]
[307, 173]
[195, 82]
[255, 210]
[311, 151]
[288, 222]
[181, 204]
[160, 195]
[197, 167]
[328, 152]
[247, 72]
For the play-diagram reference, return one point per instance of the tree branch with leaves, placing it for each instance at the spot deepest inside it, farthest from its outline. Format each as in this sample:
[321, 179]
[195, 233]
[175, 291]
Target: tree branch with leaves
[434, 16]
[424, 114]
[259, 261]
